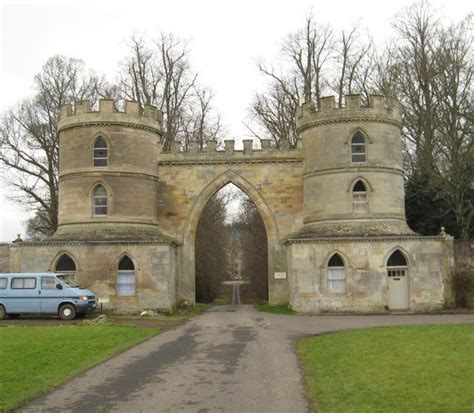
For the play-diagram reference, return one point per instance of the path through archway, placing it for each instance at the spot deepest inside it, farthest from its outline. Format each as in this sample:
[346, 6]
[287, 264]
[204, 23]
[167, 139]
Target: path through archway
[231, 250]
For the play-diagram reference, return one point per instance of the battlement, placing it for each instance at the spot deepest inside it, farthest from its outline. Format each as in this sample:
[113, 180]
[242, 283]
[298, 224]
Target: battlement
[378, 109]
[81, 114]
[214, 154]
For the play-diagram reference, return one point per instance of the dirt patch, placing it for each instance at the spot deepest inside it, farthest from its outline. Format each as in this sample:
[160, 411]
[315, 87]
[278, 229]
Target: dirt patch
[121, 320]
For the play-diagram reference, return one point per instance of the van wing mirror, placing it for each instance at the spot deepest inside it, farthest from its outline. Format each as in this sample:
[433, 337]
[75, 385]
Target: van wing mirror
[59, 286]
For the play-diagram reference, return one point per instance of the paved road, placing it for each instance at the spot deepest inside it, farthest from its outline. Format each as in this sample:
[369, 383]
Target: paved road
[231, 359]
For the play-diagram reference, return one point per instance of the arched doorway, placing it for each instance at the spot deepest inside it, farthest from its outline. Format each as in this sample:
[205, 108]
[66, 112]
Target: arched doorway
[397, 274]
[231, 250]
[186, 283]
[66, 266]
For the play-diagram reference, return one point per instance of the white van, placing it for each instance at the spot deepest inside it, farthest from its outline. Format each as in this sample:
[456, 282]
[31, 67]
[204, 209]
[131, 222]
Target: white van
[44, 293]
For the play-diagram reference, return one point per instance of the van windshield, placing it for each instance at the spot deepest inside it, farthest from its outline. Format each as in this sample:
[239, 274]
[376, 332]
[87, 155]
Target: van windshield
[66, 279]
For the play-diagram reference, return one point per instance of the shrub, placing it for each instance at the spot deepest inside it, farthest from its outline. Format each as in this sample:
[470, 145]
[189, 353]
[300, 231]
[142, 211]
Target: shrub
[463, 285]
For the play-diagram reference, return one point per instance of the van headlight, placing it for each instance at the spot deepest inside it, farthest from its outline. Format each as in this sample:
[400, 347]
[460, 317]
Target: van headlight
[83, 297]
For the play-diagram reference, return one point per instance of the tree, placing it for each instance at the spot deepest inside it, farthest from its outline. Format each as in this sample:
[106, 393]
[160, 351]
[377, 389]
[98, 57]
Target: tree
[430, 71]
[29, 151]
[160, 74]
[211, 247]
[428, 68]
[253, 243]
[314, 62]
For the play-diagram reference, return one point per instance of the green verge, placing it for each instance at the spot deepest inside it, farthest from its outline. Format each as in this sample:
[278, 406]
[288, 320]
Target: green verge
[36, 359]
[391, 369]
[183, 314]
[274, 309]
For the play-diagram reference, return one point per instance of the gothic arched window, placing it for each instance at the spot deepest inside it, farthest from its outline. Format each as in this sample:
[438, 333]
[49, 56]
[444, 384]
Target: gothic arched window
[100, 152]
[336, 274]
[99, 197]
[358, 148]
[126, 277]
[360, 198]
[397, 265]
[67, 267]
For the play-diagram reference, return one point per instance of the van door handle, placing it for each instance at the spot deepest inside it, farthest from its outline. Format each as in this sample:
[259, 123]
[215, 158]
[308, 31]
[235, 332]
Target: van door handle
[39, 292]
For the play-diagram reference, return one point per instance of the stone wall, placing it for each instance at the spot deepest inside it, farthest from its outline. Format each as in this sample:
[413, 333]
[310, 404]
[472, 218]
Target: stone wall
[96, 269]
[366, 274]
[4, 258]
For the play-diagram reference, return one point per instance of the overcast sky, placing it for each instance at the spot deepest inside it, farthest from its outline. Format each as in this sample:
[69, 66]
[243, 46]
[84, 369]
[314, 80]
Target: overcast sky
[226, 38]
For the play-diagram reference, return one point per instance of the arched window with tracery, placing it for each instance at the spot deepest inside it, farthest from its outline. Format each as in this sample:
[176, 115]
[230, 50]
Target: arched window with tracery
[397, 263]
[100, 155]
[358, 148]
[336, 274]
[360, 197]
[126, 277]
[100, 201]
[66, 267]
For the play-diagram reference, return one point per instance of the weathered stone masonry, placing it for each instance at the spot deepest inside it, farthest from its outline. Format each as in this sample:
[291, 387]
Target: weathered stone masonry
[332, 195]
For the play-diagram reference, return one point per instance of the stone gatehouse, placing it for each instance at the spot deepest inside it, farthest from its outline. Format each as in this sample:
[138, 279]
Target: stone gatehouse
[333, 210]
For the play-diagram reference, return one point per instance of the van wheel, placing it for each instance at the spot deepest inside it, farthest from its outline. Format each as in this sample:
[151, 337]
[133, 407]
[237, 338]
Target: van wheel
[67, 312]
[3, 313]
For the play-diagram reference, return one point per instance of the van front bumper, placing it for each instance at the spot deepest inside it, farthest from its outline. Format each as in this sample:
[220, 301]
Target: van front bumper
[84, 307]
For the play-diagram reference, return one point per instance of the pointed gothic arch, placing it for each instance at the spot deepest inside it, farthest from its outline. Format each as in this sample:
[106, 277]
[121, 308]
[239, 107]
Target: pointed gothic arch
[218, 183]
[189, 236]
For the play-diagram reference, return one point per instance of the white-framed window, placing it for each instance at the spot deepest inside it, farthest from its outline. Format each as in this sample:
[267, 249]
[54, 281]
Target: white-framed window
[126, 277]
[99, 197]
[3, 283]
[100, 155]
[360, 198]
[336, 274]
[358, 148]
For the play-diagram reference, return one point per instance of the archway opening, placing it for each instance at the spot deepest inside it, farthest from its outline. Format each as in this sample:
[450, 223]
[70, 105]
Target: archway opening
[231, 251]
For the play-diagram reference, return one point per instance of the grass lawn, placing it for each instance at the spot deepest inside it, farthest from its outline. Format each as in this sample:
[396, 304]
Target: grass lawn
[34, 359]
[275, 309]
[391, 369]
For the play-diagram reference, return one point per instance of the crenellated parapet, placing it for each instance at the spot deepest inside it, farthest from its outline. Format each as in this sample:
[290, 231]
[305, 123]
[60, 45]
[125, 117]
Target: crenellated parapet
[81, 114]
[379, 109]
[227, 153]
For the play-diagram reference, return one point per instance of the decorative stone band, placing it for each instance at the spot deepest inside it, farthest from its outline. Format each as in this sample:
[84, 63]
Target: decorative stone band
[110, 231]
[81, 124]
[328, 240]
[91, 241]
[308, 123]
[109, 221]
[81, 173]
[365, 228]
[352, 217]
[355, 168]
[231, 160]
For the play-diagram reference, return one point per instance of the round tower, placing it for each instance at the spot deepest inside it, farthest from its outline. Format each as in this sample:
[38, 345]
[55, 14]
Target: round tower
[108, 172]
[353, 177]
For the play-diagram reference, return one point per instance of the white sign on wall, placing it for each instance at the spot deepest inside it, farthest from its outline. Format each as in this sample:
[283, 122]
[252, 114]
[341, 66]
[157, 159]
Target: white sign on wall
[280, 276]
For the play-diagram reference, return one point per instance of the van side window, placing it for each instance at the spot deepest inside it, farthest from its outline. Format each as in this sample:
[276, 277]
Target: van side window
[23, 283]
[3, 283]
[48, 283]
